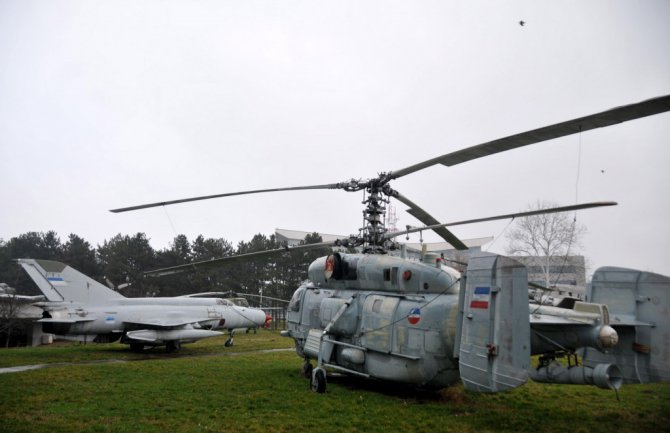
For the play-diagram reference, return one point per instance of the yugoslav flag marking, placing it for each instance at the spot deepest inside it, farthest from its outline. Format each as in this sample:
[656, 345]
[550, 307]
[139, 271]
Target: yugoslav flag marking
[414, 316]
[57, 281]
[480, 299]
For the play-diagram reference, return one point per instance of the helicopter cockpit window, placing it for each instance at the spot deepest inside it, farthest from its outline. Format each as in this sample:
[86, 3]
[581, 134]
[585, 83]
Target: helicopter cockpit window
[394, 276]
[391, 275]
[240, 302]
[294, 305]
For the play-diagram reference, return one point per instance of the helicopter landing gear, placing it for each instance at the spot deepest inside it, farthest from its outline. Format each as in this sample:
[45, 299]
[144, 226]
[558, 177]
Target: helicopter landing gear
[319, 380]
[306, 370]
[229, 341]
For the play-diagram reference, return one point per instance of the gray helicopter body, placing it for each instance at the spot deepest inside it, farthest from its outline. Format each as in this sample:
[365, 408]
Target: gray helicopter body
[399, 320]
[425, 325]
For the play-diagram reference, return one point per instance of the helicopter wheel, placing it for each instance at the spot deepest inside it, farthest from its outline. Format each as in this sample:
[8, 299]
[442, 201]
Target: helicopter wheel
[306, 370]
[319, 380]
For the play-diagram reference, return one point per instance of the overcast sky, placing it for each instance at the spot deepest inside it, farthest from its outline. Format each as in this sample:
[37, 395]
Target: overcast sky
[117, 103]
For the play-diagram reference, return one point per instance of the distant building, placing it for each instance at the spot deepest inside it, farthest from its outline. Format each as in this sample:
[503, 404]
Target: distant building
[567, 275]
[453, 258]
[570, 270]
[413, 249]
[294, 237]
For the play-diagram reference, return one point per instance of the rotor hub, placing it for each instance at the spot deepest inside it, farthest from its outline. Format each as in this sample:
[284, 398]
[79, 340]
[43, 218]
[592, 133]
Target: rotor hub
[372, 234]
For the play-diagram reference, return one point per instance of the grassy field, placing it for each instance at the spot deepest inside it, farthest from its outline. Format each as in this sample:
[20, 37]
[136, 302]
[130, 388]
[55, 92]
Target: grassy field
[247, 388]
[68, 352]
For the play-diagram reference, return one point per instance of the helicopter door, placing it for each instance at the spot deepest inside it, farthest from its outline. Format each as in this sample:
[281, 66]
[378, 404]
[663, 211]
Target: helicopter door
[376, 322]
[494, 349]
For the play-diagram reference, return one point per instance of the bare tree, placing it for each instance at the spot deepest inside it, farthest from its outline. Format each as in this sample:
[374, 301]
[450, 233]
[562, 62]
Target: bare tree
[9, 312]
[545, 237]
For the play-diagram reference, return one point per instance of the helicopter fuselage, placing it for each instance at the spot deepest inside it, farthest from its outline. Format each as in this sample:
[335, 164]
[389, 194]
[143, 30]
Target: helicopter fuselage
[382, 316]
[422, 324]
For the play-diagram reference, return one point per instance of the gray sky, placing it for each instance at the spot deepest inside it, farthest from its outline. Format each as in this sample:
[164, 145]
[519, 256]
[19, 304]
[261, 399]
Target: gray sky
[117, 103]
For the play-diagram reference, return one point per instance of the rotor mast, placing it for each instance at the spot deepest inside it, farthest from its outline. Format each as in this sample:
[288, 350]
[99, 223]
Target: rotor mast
[372, 236]
[375, 207]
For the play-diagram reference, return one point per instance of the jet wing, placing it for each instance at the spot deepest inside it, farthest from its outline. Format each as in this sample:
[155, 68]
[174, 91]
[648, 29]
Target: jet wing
[582, 313]
[161, 331]
[624, 321]
[546, 315]
[164, 324]
[86, 319]
[543, 319]
[155, 336]
[21, 299]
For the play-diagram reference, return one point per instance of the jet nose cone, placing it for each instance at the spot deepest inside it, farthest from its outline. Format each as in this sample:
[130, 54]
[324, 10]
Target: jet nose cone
[259, 317]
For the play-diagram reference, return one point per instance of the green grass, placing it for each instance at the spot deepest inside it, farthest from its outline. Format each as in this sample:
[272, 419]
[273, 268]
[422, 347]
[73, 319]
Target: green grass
[203, 390]
[78, 352]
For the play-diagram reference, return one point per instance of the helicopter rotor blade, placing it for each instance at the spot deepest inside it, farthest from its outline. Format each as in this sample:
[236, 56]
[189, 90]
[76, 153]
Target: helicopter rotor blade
[610, 117]
[428, 220]
[569, 208]
[220, 262]
[207, 197]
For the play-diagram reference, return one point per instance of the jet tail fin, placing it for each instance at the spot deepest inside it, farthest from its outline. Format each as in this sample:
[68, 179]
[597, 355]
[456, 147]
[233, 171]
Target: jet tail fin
[60, 282]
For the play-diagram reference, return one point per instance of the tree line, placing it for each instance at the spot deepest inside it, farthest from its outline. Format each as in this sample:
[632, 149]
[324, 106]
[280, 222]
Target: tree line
[121, 261]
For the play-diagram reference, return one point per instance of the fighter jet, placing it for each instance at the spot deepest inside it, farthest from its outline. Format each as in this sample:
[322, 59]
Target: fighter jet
[77, 305]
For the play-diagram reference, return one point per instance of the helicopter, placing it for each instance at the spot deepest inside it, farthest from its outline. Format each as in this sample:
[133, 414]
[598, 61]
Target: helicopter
[381, 316]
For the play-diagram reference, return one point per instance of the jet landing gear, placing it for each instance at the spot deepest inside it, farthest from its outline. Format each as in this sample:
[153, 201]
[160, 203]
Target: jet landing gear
[229, 341]
[172, 346]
